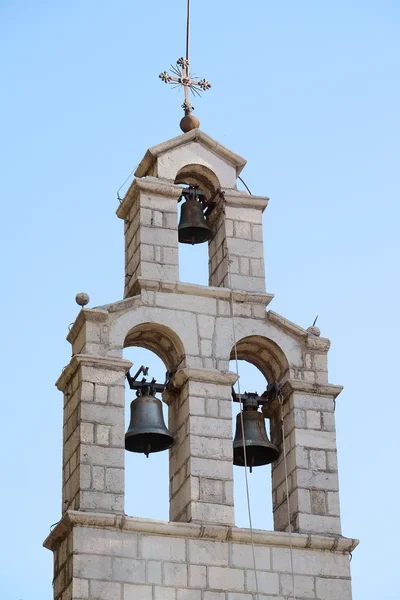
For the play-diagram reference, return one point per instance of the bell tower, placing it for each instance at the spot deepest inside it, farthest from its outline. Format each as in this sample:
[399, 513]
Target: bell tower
[100, 553]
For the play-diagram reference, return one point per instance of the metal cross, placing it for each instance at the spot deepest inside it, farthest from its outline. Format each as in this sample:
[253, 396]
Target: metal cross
[182, 77]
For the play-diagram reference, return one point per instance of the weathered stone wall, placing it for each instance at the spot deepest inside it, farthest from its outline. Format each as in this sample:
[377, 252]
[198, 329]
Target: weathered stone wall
[133, 559]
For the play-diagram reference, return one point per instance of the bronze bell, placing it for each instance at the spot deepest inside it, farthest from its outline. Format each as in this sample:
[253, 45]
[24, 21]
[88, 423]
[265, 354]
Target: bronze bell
[259, 450]
[193, 227]
[147, 431]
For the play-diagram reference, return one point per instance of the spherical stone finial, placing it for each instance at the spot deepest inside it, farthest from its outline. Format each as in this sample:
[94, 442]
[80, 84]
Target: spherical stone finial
[314, 330]
[189, 122]
[82, 299]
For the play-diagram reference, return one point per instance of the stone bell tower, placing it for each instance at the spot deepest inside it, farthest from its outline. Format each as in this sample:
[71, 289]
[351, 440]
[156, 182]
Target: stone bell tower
[100, 553]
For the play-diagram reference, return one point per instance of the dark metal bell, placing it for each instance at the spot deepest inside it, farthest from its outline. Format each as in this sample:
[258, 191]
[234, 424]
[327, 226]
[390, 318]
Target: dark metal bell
[259, 450]
[147, 431]
[193, 227]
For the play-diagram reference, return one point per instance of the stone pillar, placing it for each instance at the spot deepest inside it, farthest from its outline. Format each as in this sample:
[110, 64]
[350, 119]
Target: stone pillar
[93, 434]
[311, 460]
[201, 468]
[237, 224]
[149, 210]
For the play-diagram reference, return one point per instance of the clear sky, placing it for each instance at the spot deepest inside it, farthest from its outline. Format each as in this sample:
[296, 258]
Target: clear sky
[308, 92]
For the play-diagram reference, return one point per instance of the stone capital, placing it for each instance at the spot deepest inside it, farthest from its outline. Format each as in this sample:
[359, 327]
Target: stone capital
[100, 362]
[203, 375]
[151, 185]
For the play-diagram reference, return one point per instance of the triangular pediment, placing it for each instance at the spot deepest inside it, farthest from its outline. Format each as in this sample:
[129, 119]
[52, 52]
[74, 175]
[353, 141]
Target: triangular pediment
[198, 145]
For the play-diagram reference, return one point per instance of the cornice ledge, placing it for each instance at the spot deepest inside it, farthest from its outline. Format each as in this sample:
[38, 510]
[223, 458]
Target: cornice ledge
[91, 315]
[308, 387]
[87, 360]
[193, 289]
[196, 135]
[122, 305]
[150, 185]
[286, 325]
[337, 544]
[202, 375]
[240, 199]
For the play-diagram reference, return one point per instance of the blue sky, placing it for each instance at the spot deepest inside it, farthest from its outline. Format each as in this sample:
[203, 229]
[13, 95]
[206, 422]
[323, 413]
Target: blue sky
[308, 92]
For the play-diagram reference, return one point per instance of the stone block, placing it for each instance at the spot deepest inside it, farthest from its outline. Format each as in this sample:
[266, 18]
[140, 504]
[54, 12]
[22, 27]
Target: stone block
[206, 512]
[104, 542]
[80, 588]
[242, 556]
[153, 573]
[313, 402]
[114, 480]
[87, 433]
[206, 326]
[175, 574]
[102, 456]
[325, 440]
[129, 570]
[103, 435]
[214, 596]
[88, 566]
[333, 503]
[98, 478]
[163, 548]
[304, 586]
[136, 592]
[105, 590]
[104, 415]
[320, 480]
[317, 460]
[210, 427]
[101, 502]
[333, 588]
[314, 419]
[189, 595]
[206, 347]
[197, 576]
[268, 583]
[318, 502]
[205, 552]
[214, 469]
[226, 578]
[163, 593]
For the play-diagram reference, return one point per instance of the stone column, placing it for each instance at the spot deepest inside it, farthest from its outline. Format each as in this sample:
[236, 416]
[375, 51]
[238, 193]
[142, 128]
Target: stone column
[201, 468]
[93, 434]
[149, 210]
[311, 460]
[237, 224]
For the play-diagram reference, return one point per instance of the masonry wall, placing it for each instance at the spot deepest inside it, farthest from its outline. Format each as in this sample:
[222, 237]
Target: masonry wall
[111, 563]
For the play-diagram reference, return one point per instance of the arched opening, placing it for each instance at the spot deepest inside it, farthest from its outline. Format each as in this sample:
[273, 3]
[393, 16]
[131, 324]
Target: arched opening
[260, 361]
[194, 259]
[147, 479]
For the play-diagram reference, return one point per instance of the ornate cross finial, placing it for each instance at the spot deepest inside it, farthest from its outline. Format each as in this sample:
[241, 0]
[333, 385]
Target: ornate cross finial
[182, 77]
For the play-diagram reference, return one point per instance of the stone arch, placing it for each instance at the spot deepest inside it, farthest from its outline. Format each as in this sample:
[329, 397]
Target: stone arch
[161, 340]
[201, 176]
[264, 354]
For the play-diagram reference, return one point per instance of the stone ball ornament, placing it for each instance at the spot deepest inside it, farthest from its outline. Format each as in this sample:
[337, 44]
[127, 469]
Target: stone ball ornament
[314, 330]
[82, 299]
